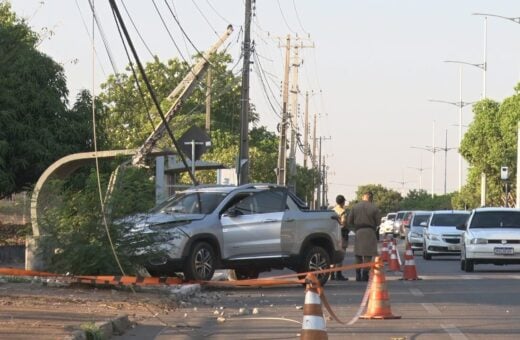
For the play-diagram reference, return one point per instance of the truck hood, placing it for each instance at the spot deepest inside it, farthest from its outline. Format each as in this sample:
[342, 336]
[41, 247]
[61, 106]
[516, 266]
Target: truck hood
[140, 221]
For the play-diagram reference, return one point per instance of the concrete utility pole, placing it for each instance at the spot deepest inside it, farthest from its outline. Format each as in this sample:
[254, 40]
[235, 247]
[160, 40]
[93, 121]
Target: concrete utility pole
[243, 160]
[294, 109]
[445, 149]
[319, 191]
[282, 147]
[324, 184]
[208, 102]
[294, 115]
[314, 143]
[306, 132]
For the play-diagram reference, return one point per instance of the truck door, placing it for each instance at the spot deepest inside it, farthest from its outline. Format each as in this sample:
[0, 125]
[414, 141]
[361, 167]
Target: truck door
[251, 227]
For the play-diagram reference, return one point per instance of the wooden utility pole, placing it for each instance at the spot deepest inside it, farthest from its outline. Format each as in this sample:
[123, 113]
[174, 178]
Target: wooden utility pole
[243, 160]
[282, 147]
[208, 102]
[306, 132]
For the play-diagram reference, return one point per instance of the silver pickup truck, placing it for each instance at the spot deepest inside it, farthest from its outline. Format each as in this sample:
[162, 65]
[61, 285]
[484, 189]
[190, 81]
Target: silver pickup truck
[251, 228]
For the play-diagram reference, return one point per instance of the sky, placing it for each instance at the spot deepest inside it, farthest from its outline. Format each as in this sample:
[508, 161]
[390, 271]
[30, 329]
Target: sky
[372, 73]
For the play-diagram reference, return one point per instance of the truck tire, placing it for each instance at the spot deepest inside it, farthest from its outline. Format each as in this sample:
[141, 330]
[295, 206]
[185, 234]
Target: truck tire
[316, 258]
[200, 264]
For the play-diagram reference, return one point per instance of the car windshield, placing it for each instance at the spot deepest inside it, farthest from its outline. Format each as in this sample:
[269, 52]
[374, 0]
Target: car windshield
[449, 220]
[399, 216]
[418, 219]
[191, 203]
[390, 217]
[496, 219]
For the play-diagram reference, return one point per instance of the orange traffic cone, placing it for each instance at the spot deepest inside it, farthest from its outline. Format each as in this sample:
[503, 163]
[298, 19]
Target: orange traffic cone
[379, 302]
[393, 264]
[409, 271]
[384, 251]
[313, 325]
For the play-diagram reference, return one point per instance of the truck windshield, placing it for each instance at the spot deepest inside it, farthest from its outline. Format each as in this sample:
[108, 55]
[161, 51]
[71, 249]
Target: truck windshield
[191, 203]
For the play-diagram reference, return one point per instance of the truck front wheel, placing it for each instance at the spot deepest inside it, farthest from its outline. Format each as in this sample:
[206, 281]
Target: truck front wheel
[316, 258]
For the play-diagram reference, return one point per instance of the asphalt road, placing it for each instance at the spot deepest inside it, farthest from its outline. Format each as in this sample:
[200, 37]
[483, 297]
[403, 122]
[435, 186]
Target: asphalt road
[446, 304]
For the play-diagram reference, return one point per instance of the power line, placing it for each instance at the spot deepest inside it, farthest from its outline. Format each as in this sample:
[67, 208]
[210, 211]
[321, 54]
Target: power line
[284, 19]
[169, 33]
[217, 13]
[298, 18]
[205, 18]
[137, 31]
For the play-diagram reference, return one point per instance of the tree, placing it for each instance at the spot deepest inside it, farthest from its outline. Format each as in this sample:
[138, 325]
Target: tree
[421, 200]
[387, 200]
[490, 143]
[34, 120]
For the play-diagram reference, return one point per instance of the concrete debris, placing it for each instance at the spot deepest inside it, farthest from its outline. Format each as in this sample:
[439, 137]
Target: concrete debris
[216, 312]
[299, 307]
[221, 319]
[256, 311]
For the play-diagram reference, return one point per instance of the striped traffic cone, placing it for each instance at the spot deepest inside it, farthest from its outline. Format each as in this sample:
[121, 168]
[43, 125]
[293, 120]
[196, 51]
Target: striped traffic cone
[313, 325]
[379, 302]
[409, 270]
[393, 264]
[384, 251]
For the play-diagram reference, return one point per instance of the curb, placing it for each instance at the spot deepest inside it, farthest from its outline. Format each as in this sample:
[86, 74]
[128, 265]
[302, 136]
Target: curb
[115, 326]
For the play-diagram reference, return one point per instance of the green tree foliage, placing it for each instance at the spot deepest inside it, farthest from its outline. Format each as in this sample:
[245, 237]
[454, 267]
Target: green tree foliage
[306, 181]
[489, 143]
[32, 93]
[35, 126]
[387, 200]
[421, 200]
[77, 228]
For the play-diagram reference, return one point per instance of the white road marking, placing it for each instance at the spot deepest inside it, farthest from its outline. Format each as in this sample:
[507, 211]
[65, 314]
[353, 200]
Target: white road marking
[431, 309]
[454, 332]
[416, 292]
[516, 277]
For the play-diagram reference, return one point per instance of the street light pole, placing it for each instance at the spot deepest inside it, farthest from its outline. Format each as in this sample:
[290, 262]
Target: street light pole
[460, 104]
[433, 150]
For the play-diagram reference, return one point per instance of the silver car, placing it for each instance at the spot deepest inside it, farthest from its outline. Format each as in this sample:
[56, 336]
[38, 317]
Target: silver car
[419, 221]
[250, 228]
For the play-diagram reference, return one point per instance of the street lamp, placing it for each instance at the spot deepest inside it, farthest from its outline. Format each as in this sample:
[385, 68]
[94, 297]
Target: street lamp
[420, 169]
[460, 104]
[445, 149]
[433, 150]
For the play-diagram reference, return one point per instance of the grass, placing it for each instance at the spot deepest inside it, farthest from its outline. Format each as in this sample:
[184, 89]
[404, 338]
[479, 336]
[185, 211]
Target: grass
[93, 332]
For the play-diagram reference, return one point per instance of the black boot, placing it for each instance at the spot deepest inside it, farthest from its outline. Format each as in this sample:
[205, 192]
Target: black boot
[358, 275]
[365, 275]
[340, 277]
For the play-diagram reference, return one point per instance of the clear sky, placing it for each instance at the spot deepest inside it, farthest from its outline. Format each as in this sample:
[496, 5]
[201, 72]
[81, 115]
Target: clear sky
[375, 65]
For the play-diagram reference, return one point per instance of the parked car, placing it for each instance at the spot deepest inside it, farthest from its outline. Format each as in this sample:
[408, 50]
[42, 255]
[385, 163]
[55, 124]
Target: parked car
[398, 223]
[491, 235]
[403, 223]
[250, 228]
[419, 220]
[387, 227]
[441, 237]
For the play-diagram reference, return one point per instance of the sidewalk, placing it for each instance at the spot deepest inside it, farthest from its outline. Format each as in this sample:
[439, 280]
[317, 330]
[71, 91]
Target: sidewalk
[37, 310]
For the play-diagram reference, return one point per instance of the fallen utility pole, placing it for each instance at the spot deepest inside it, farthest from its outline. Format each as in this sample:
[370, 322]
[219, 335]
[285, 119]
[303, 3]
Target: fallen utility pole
[179, 95]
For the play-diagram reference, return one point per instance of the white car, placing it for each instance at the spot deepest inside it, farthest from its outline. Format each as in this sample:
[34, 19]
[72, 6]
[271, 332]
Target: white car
[441, 237]
[387, 227]
[492, 235]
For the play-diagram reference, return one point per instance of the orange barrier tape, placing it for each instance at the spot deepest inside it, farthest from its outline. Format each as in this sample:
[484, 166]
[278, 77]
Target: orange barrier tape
[23, 272]
[129, 280]
[103, 280]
